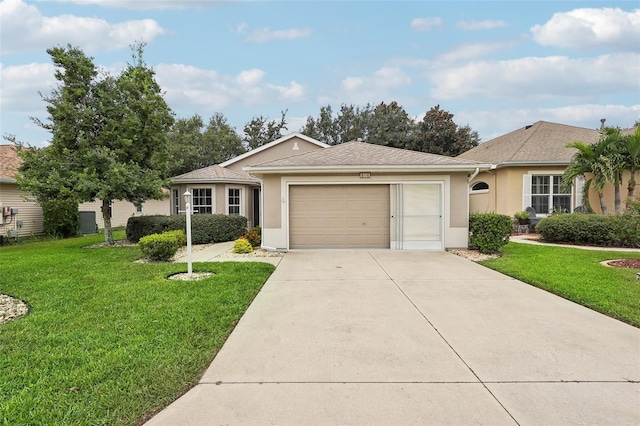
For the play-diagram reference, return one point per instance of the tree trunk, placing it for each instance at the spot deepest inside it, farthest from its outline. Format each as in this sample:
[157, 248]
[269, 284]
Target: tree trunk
[603, 204]
[631, 186]
[616, 198]
[106, 214]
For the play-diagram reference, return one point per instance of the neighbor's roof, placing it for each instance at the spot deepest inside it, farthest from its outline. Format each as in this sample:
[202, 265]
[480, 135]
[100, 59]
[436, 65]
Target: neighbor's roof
[214, 173]
[9, 163]
[357, 154]
[542, 142]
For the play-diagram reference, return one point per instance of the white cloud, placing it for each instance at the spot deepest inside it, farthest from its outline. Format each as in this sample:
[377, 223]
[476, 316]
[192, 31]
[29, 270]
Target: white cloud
[473, 50]
[534, 79]
[264, 35]
[425, 24]
[591, 28]
[377, 87]
[24, 28]
[20, 86]
[200, 89]
[481, 25]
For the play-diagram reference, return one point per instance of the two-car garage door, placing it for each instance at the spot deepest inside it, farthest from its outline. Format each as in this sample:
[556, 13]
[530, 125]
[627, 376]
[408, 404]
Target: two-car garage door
[399, 216]
[339, 216]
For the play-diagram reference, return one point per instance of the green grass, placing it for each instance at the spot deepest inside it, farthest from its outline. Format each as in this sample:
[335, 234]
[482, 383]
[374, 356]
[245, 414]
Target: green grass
[109, 341]
[577, 275]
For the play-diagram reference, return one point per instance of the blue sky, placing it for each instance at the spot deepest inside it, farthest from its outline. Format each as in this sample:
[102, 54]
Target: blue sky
[495, 65]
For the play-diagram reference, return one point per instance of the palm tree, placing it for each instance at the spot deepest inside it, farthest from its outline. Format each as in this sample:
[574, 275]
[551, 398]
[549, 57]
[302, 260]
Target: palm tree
[589, 159]
[632, 159]
[614, 161]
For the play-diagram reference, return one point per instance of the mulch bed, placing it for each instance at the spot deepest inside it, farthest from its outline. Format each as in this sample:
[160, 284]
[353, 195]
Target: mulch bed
[625, 263]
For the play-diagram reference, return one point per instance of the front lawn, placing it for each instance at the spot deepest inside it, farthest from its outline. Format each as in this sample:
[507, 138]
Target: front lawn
[577, 275]
[109, 341]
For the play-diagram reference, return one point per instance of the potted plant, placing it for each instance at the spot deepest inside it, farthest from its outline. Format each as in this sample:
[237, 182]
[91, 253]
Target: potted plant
[522, 218]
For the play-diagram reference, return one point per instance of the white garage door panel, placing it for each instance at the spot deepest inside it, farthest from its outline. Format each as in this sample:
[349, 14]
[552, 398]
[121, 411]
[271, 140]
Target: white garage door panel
[339, 216]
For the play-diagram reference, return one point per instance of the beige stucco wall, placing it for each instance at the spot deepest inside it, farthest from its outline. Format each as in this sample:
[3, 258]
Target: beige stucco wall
[293, 146]
[219, 198]
[275, 201]
[28, 211]
[505, 190]
[609, 195]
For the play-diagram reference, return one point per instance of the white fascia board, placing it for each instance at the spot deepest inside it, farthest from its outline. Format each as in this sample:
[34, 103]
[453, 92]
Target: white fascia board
[218, 180]
[531, 163]
[367, 168]
[8, 180]
[273, 143]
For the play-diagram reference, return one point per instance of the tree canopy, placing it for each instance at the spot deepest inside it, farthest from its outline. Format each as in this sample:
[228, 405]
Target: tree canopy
[192, 145]
[108, 135]
[390, 125]
[260, 131]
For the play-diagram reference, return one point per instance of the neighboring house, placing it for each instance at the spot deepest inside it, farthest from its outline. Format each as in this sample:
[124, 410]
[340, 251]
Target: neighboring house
[526, 168]
[227, 189]
[360, 195]
[30, 214]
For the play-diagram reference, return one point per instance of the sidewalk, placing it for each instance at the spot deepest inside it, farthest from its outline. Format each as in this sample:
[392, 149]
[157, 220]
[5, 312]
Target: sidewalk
[527, 239]
[221, 252]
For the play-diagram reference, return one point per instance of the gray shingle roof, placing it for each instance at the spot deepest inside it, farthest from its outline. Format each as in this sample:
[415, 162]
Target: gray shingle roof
[215, 173]
[539, 143]
[364, 154]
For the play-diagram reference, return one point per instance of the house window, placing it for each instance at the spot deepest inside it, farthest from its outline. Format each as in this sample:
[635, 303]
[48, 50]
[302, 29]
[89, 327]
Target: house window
[139, 208]
[176, 202]
[202, 200]
[547, 195]
[480, 187]
[234, 201]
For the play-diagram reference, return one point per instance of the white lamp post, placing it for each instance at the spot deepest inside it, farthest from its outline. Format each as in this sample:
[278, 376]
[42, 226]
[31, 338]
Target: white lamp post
[187, 202]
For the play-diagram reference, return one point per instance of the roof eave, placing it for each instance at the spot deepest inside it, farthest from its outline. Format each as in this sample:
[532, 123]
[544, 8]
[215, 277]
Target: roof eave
[215, 180]
[563, 163]
[367, 168]
[7, 180]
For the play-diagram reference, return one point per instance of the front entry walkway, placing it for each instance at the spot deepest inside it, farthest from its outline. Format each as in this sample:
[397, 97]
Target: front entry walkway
[392, 337]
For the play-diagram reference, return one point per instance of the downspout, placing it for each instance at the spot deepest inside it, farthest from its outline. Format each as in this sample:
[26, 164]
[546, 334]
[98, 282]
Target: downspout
[473, 176]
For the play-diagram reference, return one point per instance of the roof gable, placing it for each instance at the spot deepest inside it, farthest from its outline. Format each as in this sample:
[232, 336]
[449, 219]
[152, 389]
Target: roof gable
[359, 154]
[538, 143]
[272, 144]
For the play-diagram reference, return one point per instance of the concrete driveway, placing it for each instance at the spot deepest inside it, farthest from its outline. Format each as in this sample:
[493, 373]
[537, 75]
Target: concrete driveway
[390, 337]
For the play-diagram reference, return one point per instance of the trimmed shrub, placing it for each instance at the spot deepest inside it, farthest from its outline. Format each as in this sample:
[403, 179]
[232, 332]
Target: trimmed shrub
[141, 226]
[60, 217]
[254, 236]
[179, 235]
[591, 229]
[159, 247]
[242, 245]
[205, 228]
[488, 232]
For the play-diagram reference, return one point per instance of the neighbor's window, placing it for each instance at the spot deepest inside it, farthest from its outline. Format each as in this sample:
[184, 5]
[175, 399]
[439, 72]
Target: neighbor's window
[480, 187]
[139, 208]
[202, 200]
[234, 201]
[547, 195]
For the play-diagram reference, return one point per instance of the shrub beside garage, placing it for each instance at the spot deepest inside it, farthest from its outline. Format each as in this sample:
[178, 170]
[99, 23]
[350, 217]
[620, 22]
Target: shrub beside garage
[488, 232]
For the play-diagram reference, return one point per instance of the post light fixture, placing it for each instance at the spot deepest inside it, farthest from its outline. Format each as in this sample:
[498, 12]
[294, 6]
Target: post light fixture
[187, 205]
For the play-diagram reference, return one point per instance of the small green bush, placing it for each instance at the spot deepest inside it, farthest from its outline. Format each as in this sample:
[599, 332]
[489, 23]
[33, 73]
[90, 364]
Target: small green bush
[254, 236]
[60, 217]
[159, 247]
[242, 245]
[522, 217]
[592, 229]
[489, 231]
[179, 235]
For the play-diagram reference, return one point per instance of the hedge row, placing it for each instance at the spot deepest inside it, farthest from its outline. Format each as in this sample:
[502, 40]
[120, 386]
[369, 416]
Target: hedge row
[591, 229]
[489, 231]
[205, 228]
